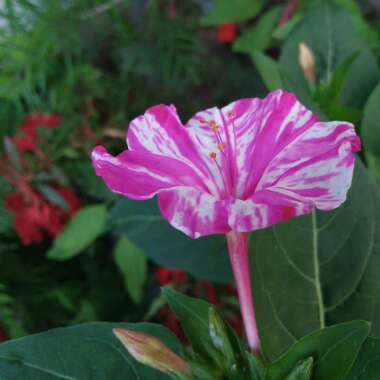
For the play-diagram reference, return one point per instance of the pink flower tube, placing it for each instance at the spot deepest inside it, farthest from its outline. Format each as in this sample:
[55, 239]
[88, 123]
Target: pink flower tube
[246, 166]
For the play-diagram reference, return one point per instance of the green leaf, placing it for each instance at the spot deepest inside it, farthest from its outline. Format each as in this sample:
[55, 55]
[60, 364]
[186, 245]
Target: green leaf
[364, 301]
[82, 229]
[331, 272]
[193, 314]
[268, 69]
[132, 264]
[225, 11]
[256, 367]
[334, 350]
[83, 352]
[370, 129]
[333, 90]
[373, 163]
[340, 75]
[219, 352]
[282, 31]
[367, 365]
[143, 225]
[366, 30]
[259, 37]
[219, 336]
[52, 196]
[329, 32]
[339, 112]
[303, 370]
[236, 360]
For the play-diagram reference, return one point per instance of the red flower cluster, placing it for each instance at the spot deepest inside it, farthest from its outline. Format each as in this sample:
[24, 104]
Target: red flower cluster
[27, 141]
[227, 32]
[35, 217]
[199, 289]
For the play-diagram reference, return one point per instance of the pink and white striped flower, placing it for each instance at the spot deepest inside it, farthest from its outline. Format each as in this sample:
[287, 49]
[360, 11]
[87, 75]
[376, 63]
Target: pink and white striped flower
[246, 166]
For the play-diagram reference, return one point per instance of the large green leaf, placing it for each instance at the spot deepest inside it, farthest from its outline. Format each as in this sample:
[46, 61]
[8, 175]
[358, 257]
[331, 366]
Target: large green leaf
[239, 10]
[142, 224]
[334, 350]
[318, 269]
[367, 365]
[364, 301]
[82, 352]
[329, 31]
[83, 228]
[370, 129]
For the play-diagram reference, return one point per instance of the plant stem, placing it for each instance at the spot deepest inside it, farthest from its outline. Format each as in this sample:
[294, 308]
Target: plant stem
[238, 252]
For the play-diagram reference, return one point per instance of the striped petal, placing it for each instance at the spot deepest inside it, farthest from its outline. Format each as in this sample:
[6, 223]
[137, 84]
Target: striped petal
[262, 128]
[194, 212]
[160, 131]
[141, 175]
[316, 167]
[264, 209]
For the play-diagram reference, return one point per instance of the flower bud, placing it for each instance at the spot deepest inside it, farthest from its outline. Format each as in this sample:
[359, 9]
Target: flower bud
[219, 335]
[306, 61]
[152, 352]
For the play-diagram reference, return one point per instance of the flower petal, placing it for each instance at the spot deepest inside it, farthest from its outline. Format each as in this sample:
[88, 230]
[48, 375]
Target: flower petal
[262, 128]
[194, 212]
[160, 131]
[316, 167]
[264, 209]
[141, 175]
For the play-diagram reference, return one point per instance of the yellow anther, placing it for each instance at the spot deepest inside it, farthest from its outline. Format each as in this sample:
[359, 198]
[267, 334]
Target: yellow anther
[220, 146]
[213, 125]
[213, 155]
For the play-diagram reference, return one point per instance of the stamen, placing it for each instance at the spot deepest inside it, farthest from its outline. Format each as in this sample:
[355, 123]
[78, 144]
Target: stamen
[202, 121]
[212, 155]
[220, 146]
[231, 114]
[213, 125]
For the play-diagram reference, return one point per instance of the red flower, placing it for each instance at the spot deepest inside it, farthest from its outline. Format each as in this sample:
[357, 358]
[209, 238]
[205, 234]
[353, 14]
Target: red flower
[170, 276]
[25, 143]
[227, 32]
[36, 218]
[36, 119]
